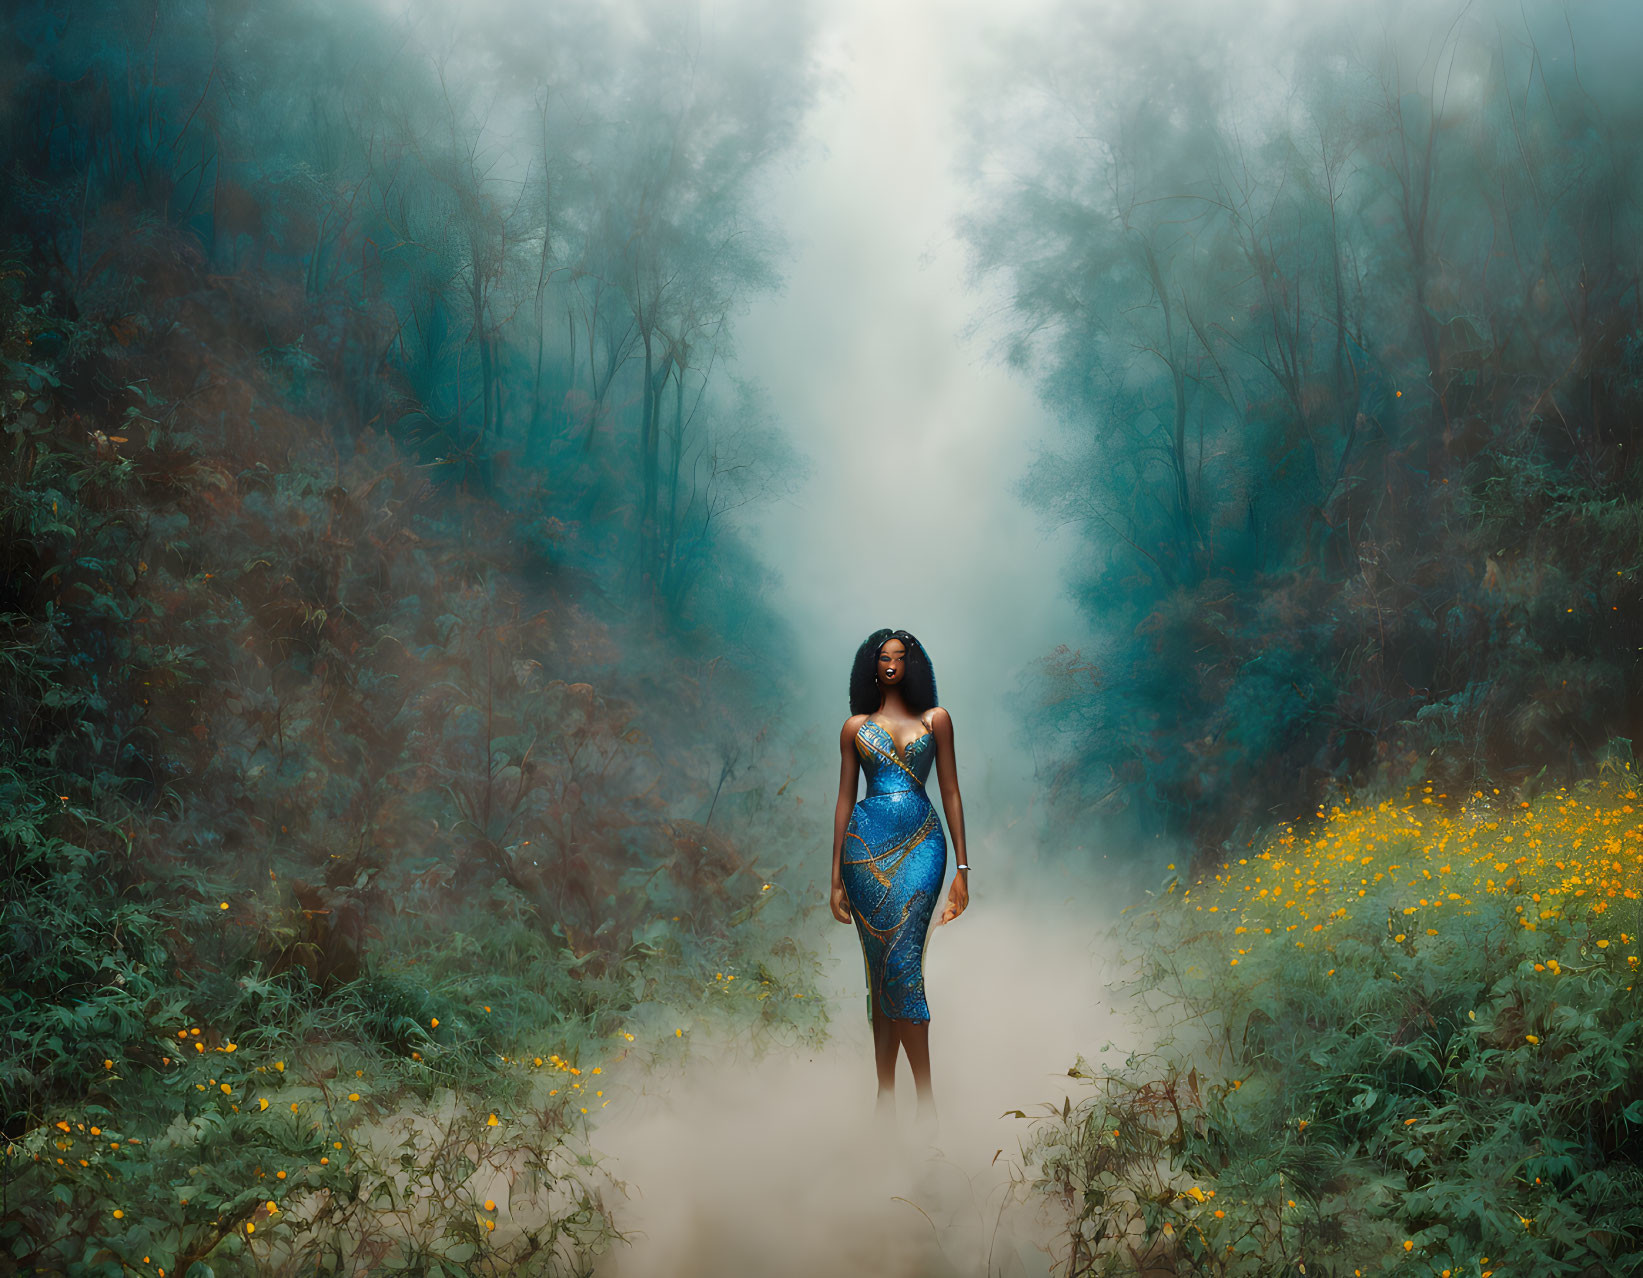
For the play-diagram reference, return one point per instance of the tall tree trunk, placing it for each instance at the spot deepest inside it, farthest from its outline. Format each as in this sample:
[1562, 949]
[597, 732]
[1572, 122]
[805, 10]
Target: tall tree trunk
[647, 433]
[673, 467]
[539, 309]
[1417, 196]
[501, 383]
[476, 292]
[1187, 526]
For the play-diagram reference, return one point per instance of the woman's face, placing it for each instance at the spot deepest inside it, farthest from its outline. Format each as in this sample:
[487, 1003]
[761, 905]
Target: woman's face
[892, 661]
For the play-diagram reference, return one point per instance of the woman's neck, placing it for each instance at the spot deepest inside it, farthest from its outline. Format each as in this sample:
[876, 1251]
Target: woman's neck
[894, 704]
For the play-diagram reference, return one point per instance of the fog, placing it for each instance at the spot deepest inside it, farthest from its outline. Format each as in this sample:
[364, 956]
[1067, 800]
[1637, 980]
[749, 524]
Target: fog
[459, 448]
[918, 437]
[883, 357]
[877, 354]
[776, 1163]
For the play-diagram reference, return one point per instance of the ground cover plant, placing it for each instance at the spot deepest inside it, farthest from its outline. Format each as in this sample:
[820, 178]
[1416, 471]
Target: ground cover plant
[328, 912]
[1344, 329]
[354, 860]
[1397, 1037]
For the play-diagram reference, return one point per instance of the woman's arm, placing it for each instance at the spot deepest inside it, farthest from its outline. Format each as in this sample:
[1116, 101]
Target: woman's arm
[849, 766]
[958, 896]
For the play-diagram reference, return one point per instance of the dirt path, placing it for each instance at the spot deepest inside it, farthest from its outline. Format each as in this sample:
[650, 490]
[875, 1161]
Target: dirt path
[776, 1166]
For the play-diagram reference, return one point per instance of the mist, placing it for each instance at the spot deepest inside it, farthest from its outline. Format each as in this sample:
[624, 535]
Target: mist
[454, 452]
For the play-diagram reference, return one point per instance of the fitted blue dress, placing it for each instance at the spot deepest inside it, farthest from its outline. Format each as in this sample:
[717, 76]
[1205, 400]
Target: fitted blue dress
[893, 861]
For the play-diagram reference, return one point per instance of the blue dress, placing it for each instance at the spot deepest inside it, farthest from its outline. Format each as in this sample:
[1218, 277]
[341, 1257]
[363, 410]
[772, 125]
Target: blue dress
[893, 861]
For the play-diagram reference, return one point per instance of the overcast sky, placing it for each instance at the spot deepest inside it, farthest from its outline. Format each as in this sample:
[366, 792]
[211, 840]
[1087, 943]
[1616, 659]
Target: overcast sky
[910, 517]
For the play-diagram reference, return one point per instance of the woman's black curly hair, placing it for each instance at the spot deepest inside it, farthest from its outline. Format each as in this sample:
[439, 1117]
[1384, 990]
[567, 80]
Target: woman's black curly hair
[918, 682]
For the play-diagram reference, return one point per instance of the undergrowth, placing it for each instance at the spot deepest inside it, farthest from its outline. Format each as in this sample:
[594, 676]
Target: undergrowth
[1398, 1038]
[340, 905]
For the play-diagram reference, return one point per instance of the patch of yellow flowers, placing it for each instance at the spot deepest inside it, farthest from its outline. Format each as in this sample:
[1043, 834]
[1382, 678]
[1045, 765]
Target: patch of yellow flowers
[1564, 856]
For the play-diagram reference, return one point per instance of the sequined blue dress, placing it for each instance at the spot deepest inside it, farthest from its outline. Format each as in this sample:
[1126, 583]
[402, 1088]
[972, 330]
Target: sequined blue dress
[893, 861]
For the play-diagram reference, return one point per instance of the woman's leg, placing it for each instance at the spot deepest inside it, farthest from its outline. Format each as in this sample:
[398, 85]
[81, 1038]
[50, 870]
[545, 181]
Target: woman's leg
[915, 1040]
[885, 1044]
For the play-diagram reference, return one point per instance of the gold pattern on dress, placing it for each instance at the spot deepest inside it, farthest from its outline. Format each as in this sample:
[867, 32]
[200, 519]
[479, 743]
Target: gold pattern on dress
[891, 754]
[888, 939]
[888, 935]
[882, 873]
[901, 753]
[890, 948]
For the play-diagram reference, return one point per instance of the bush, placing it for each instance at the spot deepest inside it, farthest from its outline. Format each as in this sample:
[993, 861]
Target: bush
[1399, 1036]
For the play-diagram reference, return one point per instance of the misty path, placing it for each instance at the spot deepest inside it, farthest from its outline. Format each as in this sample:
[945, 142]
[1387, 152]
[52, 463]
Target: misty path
[775, 1165]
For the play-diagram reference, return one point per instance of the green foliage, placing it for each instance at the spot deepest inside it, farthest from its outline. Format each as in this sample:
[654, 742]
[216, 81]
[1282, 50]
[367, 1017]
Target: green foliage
[249, 1158]
[1465, 1097]
[323, 784]
[1359, 507]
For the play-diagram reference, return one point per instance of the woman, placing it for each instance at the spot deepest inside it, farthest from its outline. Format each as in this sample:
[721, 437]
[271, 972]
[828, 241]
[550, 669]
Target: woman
[889, 855]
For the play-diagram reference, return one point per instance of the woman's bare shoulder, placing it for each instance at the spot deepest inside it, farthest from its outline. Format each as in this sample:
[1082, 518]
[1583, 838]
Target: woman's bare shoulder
[939, 715]
[852, 725]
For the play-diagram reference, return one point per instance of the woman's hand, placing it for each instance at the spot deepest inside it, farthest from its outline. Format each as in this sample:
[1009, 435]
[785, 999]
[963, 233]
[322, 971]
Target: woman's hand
[958, 898]
[840, 902]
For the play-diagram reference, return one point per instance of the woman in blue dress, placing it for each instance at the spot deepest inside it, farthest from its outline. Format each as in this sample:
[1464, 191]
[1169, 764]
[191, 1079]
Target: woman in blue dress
[889, 853]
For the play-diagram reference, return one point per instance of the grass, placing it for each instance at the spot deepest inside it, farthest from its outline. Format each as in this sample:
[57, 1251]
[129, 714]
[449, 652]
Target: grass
[288, 1143]
[1400, 1037]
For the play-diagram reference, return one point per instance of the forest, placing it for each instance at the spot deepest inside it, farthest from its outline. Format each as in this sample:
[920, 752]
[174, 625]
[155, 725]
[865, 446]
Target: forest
[1345, 336]
[389, 754]
[381, 748]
